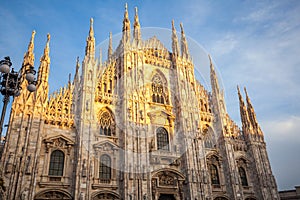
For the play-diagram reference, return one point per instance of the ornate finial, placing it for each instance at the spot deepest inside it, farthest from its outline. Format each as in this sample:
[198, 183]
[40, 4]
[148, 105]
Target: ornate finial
[239, 92]
[211, 63]
[184, 46]
[77, 64]
[91, 28]
[69, 78]
[246, 93]
[126, 26]
[247, 98]
[32, 36]
[46, 57]
[181, 27]
[136, 26]
[90, 47]
[48, 38]
[175, 46]
[77, 68]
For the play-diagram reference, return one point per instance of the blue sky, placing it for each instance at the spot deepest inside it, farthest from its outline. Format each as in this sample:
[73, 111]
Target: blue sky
[253, 43]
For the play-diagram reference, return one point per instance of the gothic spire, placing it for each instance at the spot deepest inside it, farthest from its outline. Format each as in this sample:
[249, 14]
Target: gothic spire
[29, 55]
[184, 45]
[213, 76]
[243, 110]
[43, 75]
[43, 72]
[110, 49]
[28, 60]
[90, 42]
[251, 111]
[245, 117]
[175, 47]
[126, 26]
[76, 76]
[136, 26]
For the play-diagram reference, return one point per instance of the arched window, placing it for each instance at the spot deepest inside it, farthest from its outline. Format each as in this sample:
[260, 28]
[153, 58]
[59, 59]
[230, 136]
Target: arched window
[106, 123]
[105, 168]
[162, 139]
[243, 176]
[214, 176]
[157, 90]
[56, 167]
[208, 143]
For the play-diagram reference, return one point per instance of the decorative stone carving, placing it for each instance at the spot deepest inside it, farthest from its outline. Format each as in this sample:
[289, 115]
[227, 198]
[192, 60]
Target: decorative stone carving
[166, 180]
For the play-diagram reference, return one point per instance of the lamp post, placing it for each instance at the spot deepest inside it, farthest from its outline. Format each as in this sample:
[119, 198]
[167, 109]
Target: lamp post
[10, 86]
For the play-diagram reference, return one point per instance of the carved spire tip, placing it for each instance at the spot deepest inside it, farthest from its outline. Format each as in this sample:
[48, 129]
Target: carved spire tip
[126, 7]
[210, 60]
[48, 37]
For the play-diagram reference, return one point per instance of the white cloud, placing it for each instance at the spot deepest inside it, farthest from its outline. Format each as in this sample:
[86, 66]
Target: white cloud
[283, 139]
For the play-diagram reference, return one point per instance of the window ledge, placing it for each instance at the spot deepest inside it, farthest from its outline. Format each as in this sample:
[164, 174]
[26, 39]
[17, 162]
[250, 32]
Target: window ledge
[112, 184]
[54, 184]
[60, 181]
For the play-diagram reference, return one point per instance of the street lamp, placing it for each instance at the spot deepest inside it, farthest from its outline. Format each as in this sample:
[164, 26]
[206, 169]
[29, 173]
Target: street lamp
[10, 85]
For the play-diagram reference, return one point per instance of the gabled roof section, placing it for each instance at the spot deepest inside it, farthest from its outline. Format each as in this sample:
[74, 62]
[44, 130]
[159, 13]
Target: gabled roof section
[155, 43]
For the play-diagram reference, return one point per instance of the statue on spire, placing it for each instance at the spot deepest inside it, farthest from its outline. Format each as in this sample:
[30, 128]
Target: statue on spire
[184, 45]
[136, 26]
[126, 26]
[90, 42]
[175, 46]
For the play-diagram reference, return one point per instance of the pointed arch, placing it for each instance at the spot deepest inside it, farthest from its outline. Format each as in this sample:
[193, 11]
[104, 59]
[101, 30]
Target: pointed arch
[243, 176]
[106, 122]
[159, 88]
[209, 137]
